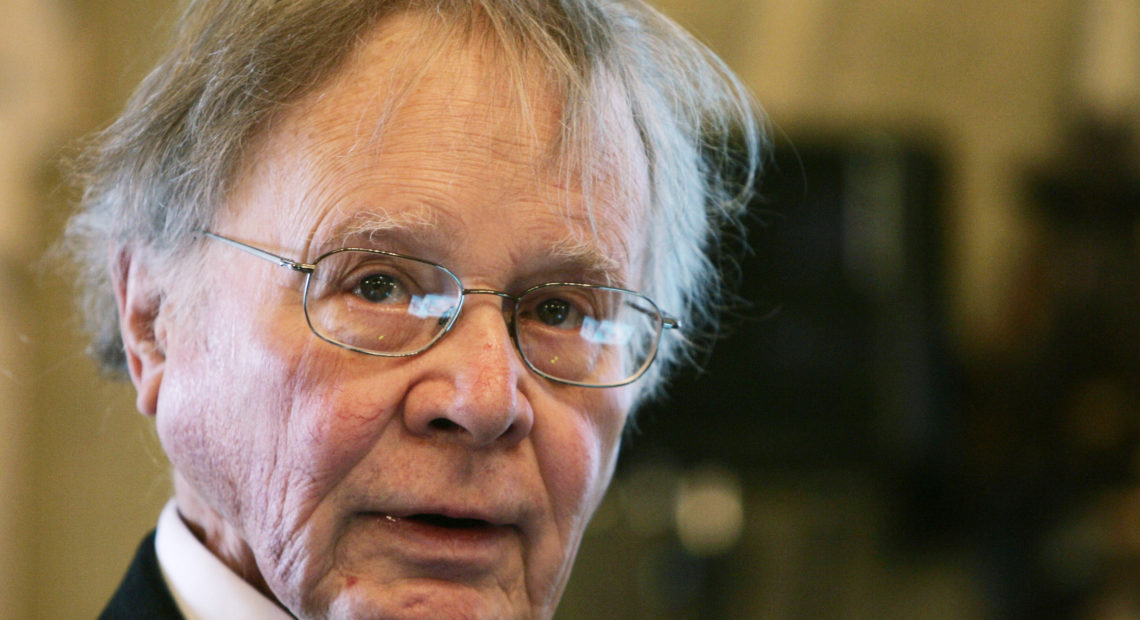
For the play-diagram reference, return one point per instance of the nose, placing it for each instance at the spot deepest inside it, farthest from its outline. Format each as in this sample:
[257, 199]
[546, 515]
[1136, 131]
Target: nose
[469, 392]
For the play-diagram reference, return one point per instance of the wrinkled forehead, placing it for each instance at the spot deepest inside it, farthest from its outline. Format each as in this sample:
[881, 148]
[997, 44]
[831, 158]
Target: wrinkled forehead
[574, 131]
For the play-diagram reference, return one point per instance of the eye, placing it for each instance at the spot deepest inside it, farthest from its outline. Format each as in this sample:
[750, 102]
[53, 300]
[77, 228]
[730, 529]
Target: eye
[379, 287]
[553, 312]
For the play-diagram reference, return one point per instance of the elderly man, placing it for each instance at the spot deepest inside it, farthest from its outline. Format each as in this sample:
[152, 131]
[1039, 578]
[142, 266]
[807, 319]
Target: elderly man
[391, 276]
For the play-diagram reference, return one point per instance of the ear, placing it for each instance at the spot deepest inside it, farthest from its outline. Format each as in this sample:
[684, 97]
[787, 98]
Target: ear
[139, 299]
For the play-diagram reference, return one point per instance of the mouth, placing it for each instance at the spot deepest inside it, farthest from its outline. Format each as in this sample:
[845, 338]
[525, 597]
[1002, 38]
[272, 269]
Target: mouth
[446, 522]
[441, 526]
[446, 541]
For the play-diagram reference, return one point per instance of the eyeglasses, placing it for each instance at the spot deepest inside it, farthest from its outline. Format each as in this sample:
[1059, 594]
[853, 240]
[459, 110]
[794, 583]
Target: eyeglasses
[392, 305]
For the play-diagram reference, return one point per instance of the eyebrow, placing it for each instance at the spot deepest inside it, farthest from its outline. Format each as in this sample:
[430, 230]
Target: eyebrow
[576, 256]
[365, 227]
[588, 258]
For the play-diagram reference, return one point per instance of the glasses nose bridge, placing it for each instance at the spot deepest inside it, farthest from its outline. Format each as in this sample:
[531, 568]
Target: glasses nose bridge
[508, 309]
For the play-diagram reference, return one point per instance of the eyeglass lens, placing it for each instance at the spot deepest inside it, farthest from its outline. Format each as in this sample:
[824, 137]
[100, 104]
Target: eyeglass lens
[387, 304]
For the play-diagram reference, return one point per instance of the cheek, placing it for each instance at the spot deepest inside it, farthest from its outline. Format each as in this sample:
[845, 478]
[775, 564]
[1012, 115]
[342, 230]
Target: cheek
[266, 427]
[336, 419]
[315, 420]
[577, 458]
[221, 413]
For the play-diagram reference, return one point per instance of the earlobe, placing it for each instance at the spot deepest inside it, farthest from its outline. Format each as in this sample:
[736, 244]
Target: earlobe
[139, 297]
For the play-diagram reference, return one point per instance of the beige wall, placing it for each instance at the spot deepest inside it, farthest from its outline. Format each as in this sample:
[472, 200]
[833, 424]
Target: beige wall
[35, 74]
[987, 79]
[80, 478]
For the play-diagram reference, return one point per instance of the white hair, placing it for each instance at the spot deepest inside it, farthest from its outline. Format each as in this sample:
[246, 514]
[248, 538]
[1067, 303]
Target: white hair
[162, 170]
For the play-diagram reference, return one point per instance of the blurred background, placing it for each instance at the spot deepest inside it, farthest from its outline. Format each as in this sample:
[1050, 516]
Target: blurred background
[926, 405]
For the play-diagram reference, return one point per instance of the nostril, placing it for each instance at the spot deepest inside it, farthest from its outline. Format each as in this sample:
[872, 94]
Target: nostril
[443, 424]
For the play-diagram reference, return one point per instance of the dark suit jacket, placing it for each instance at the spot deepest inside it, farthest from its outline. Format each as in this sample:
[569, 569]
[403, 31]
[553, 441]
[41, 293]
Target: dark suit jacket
[143, 593]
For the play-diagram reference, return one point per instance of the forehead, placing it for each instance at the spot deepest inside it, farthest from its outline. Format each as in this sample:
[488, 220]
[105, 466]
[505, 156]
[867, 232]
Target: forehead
[429, 132]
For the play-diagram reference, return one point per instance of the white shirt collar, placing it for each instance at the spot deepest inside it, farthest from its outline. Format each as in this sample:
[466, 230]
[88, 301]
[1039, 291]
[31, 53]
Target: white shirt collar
[203, 587]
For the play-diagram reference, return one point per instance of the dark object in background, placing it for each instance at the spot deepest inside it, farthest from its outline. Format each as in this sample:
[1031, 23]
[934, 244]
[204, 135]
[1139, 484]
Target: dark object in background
[836, 357]
[833, 367]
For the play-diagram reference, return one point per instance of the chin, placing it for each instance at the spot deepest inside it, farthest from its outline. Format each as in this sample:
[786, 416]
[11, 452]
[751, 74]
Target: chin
[423, 599]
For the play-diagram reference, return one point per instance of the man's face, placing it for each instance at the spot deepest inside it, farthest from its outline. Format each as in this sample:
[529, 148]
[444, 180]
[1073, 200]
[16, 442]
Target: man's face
[455, 483]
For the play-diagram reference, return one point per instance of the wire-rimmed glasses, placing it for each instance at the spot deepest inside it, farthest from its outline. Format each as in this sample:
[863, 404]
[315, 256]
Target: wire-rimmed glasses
[392, 305]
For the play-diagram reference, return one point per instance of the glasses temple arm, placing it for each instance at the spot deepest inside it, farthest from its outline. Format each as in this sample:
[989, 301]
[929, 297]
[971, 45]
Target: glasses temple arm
[667, 322]
[258, 252]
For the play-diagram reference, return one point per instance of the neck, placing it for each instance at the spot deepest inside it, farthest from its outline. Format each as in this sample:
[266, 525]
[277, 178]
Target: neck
[217, 535]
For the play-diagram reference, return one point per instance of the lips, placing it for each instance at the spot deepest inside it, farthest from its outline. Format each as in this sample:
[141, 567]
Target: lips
[455, 546]
[445, 531]
[439, 521]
